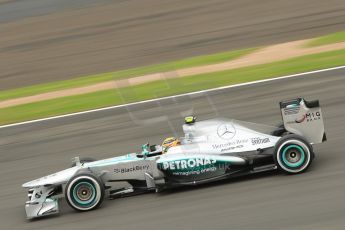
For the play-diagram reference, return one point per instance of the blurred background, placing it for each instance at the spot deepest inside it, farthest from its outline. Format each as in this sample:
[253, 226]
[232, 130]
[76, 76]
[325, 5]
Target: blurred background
[49, 40]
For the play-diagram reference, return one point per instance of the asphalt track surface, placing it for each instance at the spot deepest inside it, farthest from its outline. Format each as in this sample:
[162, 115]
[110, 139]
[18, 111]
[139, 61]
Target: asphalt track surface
[312, 200]
[48, 40]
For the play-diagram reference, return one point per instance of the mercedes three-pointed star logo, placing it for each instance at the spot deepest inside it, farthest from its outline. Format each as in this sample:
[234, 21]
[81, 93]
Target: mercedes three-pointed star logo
[226, 131]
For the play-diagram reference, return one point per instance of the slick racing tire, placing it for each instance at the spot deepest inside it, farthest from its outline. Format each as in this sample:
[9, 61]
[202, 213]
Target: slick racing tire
[83, 160]
[84, 192]
[293, 154]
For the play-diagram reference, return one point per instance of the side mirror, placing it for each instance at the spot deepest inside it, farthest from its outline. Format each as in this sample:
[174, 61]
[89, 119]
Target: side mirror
[76, 161]
[145, 149]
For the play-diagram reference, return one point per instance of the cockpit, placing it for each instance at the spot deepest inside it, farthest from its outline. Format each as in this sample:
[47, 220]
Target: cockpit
[148, 150]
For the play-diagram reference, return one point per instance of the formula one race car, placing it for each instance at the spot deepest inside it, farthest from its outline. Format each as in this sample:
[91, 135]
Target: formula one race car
[210, 150]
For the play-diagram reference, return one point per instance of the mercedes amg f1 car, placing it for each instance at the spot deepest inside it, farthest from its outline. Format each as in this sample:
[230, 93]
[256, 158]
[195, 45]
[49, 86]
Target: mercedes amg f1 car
[210, 150]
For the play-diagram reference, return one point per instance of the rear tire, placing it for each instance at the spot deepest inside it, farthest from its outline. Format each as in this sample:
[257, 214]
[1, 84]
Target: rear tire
[84, 192]
[293, 154]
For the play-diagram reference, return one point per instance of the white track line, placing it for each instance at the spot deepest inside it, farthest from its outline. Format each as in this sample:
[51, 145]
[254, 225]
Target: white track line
[179, 95]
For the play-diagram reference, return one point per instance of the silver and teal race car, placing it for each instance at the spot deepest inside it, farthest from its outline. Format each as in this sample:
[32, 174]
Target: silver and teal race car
[210, 150]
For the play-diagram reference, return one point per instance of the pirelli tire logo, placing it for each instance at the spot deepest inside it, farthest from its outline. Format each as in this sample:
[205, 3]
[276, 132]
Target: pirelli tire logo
[188, 164]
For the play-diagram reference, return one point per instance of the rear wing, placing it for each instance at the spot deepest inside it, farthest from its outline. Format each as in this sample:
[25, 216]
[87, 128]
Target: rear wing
[304, 118]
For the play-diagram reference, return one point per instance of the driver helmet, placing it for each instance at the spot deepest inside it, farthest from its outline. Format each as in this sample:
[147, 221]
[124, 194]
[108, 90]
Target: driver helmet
[170, 142]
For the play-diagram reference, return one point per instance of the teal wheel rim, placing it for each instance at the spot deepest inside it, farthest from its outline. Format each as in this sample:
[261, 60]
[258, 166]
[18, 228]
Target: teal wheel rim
[84, 193]
[293, 156]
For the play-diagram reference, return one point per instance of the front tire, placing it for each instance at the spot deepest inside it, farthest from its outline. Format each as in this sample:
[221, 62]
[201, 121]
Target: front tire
[293, 154]
[84, 192]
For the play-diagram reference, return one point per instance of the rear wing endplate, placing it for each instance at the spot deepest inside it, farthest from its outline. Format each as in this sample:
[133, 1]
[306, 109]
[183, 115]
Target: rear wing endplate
[304, 118]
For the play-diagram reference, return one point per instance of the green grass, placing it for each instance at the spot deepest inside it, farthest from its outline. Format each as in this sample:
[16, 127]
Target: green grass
[89, 80]
[327, 39]
[169, 87]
